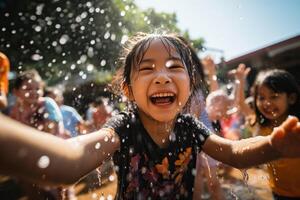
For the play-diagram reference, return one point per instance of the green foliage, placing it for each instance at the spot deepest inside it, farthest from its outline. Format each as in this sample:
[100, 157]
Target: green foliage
[196, 43]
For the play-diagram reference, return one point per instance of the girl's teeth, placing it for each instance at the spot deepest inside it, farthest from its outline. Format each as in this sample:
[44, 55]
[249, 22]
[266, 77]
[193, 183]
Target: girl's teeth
[163, 95]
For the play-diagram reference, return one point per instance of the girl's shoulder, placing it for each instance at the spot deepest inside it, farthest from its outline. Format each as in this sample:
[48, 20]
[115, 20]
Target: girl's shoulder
[121, 119]
[191, 123]
[192, 128]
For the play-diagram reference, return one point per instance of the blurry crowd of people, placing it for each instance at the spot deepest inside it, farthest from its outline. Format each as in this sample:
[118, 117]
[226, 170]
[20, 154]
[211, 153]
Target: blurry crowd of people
[274, 96]
[42, 107]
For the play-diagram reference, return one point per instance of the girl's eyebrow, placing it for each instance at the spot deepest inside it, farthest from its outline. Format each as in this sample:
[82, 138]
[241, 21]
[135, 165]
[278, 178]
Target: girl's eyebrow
[146, 60]
[152, 60]
[174, 58]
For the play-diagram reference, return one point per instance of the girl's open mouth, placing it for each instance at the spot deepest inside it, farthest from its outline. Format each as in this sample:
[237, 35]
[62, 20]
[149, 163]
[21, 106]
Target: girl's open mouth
[163, 98]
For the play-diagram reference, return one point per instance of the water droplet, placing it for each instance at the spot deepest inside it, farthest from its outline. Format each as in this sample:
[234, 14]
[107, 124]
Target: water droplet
[37, 28]
[105, 139]
[102, 198]
[43, 162]
[57, 26]
[103, 62]
[51, 125]
[123, 13]
[98, 145]
[94, 195]
[90, 67]
[106, 35]
[131, 150]
[40, 127]
[113, 37]
[111, 178]
[124, 39]
[64, 39]
[36, 57]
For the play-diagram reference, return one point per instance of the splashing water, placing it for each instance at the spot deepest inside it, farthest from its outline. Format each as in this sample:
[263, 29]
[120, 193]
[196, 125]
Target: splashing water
[99, 176]
[234, 195]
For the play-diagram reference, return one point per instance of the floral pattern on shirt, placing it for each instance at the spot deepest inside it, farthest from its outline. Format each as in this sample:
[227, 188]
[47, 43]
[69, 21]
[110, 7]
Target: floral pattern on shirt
[159, 178]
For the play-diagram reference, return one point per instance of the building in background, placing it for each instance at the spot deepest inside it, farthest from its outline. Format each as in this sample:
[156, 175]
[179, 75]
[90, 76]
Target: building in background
[284, 55]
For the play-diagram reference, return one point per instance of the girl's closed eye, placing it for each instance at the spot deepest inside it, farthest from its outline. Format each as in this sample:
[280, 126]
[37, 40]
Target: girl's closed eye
[174, 65]
[274, 96]
[146, 67]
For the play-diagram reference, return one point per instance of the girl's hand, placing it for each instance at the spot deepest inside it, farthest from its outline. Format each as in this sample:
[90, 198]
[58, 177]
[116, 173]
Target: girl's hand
[209, 65]
[241, 72]
[286, 138]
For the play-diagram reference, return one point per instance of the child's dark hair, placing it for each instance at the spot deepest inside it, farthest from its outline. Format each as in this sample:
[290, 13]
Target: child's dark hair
[27, 75]
[279, 81]
[135, 49]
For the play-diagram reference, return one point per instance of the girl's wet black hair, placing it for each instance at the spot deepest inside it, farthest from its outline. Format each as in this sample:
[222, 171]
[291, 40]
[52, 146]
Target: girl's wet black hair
[135, 49]
[279, 81]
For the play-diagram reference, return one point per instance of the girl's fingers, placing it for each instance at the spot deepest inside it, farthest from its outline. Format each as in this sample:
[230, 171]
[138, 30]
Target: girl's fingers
[296, 129]
[247, 71]
[232, 72]
[242, 66]
[289, 123]
[279, 132]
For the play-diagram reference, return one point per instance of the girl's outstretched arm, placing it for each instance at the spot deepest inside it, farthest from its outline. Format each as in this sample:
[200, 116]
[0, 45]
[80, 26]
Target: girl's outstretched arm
[32, 154]
[283, 142]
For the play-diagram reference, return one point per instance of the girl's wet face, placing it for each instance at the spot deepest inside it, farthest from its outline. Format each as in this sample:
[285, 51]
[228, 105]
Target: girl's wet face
[30, 91]
[273, 105]
[160, 85]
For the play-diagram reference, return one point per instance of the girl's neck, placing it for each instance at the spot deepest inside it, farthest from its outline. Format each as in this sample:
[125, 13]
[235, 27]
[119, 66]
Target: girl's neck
[158, 131]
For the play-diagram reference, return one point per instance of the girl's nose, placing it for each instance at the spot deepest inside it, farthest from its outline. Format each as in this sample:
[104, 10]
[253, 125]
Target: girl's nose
[267, 103]
[162, 78]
